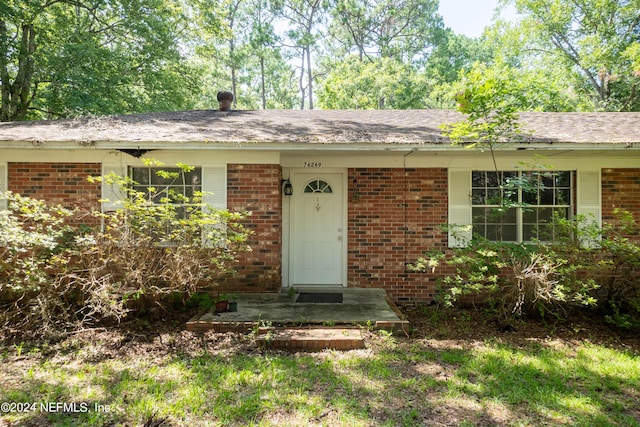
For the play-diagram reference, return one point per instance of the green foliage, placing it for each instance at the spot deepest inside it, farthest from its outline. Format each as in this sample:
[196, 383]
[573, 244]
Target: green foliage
[597, 37]
[490, 98]
[156, 247]
[31, 234]
[621, 265]
[68, 58]
[201, 301]
[584, 266]
[368, 85]
[65, 58]
[515, 278]
[401, 30]
[33, 237]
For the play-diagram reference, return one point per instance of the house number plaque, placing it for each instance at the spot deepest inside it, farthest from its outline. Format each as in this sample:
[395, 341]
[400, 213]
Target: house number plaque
[312, 164]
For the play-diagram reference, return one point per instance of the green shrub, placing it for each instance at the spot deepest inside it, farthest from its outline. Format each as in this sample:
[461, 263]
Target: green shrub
[515, 278]
[33, 237]
[584, 265]
[156, 247]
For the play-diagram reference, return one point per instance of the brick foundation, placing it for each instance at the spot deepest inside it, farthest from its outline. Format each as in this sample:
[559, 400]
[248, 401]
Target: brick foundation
[59, 183]
[256, 188]
[394, 217]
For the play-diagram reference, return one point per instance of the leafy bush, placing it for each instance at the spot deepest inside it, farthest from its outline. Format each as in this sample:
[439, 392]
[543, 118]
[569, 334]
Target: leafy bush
[584, 265]
[32, 237]
[516, 278]
[155, 248]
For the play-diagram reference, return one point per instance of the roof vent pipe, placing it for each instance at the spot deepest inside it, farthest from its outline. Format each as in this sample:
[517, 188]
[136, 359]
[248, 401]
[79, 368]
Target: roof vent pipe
[225, 99]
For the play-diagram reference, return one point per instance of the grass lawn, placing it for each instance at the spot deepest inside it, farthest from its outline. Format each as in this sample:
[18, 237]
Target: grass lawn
[456, 369]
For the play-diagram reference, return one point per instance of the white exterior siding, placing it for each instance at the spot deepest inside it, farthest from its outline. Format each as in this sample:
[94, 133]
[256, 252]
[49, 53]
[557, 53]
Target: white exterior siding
[3, 184]
[214, 186]
[111, 194]
[588, 197]
[459, 207]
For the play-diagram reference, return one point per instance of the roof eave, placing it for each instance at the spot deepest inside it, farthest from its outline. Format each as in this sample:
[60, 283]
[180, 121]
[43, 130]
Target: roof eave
[308, 146]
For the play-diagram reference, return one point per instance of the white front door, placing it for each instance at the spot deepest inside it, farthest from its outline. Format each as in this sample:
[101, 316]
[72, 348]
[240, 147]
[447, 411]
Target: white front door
[317, 229]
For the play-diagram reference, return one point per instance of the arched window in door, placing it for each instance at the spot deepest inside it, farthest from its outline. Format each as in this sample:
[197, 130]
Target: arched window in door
[318, 186]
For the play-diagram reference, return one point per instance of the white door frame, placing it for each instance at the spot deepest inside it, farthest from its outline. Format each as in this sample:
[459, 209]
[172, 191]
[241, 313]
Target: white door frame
[297, 176]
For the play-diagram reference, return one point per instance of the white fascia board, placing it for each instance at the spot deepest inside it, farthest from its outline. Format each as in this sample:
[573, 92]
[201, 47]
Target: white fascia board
[286, 147]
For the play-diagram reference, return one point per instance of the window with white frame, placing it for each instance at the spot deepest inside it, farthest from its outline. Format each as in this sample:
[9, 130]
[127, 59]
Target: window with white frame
[168, 185]
[520, 206]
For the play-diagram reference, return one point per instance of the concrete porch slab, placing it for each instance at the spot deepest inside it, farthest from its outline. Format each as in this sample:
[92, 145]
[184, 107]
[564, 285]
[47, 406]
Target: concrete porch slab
[359, 306]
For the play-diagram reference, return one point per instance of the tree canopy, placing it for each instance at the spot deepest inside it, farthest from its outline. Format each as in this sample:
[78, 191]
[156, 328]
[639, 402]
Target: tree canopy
[64, 58]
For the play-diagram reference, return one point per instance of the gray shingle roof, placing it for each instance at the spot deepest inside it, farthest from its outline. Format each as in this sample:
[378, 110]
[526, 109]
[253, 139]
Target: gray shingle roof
[311, 127]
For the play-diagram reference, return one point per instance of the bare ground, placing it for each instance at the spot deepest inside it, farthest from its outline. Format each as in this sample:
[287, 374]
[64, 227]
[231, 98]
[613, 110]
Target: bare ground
[451, 329]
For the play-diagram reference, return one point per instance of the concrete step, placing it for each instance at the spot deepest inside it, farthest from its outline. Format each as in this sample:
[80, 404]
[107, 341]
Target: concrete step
[310, 339]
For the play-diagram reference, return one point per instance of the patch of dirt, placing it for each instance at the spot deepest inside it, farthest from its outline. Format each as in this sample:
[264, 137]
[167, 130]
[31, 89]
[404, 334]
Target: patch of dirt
[474, 325]
[439, 333]
[443, 329]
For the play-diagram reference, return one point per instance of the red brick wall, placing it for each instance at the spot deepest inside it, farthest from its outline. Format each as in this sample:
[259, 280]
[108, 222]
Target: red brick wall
[394, 216]
[59, 183]
[620, 189]
[256, 188]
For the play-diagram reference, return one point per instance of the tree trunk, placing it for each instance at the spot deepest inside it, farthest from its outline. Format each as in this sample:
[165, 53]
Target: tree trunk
[262, 83]
[232, 50]
[301, 82]
[4, 73]
[310, 77]
[15, 96]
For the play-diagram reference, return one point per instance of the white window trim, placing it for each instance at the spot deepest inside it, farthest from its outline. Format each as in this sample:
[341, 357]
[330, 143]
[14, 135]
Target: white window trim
[519, 211]
[214, 184]
[587, 190]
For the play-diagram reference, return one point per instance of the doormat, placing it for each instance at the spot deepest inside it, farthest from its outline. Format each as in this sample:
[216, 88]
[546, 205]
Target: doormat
[319, 298]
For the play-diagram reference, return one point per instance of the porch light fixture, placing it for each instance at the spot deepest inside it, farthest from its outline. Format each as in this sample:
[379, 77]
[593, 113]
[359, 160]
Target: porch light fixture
[287, 188]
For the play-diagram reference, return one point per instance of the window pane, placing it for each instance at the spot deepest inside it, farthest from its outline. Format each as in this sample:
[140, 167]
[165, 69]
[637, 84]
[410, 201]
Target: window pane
[509, 233]
[539, 192]
[193, 177]
[530, 197]
[509, 176]
[546, 196]
[545, 215]
[510, 216]
[189, 191]
[492, 179]
[478, 196]
[140, 175]
[548, 180]
[492, 233]
[563, 197]
[478, 179]
[493, 196]
[166, 176]
[318, 186]
[479, 215]
[529, 233]
[563, 179]
[529, 216]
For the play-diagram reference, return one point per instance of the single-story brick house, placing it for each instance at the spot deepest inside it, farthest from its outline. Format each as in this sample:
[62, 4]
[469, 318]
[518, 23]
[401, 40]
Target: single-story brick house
[369, 189]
